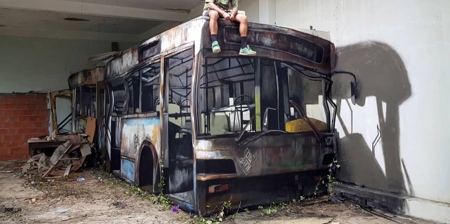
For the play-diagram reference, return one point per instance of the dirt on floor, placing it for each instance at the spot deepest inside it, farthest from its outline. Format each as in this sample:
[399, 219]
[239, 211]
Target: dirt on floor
[93, 196]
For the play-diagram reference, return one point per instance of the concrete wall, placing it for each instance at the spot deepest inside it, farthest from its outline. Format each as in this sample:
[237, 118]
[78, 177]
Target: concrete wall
[394, 137]
[251, 9]
[37, 65]
[44, 64]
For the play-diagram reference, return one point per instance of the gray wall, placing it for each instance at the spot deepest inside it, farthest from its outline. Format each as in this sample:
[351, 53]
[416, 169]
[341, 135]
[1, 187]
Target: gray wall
[43, 64]
[395, 137]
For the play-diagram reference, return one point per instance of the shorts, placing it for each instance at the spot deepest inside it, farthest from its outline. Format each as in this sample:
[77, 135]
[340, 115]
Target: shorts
[206, 12]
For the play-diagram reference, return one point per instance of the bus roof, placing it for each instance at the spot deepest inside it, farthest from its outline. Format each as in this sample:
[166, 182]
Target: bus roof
[270, 41]
[87, 77]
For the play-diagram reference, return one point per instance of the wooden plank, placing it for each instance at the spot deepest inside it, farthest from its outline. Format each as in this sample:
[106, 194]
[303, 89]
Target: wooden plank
[69, 159]
[73, 148]
[90, 128]
[68, 168]
[78, 164]
[60, 157]
[218, 188]
[85, 150]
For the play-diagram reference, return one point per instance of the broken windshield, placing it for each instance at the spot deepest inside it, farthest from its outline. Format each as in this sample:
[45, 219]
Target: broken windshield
[238, 94]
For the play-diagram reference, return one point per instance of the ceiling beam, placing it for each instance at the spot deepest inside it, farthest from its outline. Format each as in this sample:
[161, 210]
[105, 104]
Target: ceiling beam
[156, 30]
[71, 35]
[91, 9]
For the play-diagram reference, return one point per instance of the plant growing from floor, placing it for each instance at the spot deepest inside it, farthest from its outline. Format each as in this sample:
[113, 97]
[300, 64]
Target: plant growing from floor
[330, 177]
[162, 198]
[273, 209]
[216, 217]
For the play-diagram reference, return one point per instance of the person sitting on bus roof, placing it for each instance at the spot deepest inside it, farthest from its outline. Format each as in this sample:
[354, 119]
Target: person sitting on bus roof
[227, 9]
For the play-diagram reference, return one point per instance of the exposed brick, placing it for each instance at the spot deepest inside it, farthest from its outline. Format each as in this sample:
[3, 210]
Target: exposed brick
[13, 156]
[36, 124]
[4, 119]
[11, 125]
[22, 106]
[4, 150]
[38, 118]
[5, 112]
[22, 116]
[7, 157]
[18, 150]
[15, 131]
[8, 106]
[42, 130]
[13, 138]
[8, 145]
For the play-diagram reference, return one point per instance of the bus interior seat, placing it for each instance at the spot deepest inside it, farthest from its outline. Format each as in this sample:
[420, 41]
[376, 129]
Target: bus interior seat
[234, 121]
[219, 124]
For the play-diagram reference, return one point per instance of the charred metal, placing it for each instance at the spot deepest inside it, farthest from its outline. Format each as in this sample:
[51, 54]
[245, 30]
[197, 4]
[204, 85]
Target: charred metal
[215, 127]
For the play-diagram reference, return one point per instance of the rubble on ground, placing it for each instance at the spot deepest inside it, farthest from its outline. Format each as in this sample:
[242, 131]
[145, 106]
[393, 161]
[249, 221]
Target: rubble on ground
[67, 157]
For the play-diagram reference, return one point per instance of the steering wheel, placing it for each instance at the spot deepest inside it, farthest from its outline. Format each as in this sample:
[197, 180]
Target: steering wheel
[241, 100]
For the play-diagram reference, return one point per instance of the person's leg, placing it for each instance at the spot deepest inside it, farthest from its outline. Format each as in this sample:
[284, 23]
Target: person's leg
[243, 29]
[213, 27]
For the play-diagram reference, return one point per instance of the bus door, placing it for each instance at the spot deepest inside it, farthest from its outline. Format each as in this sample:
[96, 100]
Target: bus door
[115, 105]
[177, 122]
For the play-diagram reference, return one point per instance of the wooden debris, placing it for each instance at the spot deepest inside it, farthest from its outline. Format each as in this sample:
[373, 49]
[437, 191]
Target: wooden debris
[90, 129]
[85, 150]
[66, 173]
[68, 156]
[57, 161]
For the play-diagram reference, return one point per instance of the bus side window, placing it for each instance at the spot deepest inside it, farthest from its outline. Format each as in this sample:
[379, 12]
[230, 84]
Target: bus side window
[133, 93]
[150, 87]
[118, 97]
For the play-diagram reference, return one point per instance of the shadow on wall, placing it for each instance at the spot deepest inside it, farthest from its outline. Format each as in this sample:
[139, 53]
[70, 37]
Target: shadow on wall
[380, 74]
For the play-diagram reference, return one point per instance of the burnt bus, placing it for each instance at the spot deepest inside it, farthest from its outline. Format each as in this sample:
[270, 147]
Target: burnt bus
[206, 128]
[87, 91]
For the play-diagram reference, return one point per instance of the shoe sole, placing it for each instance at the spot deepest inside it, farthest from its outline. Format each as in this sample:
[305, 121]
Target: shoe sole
[216, 51]
[247, 54]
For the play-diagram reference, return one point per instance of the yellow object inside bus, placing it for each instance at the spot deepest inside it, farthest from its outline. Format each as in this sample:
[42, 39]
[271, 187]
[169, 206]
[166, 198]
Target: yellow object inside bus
[301, 125]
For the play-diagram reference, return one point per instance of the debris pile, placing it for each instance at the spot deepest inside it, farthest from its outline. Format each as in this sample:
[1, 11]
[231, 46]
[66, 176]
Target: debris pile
[9, 208]
[67, 157]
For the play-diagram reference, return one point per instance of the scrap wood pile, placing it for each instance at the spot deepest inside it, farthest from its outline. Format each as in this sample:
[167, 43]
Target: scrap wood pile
[67, 157]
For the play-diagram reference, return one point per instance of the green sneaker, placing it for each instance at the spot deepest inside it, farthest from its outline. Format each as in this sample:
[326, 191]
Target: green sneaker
[247, 51]
[215, 47]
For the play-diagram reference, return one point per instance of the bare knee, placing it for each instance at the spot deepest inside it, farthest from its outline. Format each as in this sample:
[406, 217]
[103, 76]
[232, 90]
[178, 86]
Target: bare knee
[242, 19]
[213, 14]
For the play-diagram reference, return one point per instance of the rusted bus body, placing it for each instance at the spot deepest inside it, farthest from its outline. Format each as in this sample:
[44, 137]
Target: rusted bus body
[53, 96]
[215, 126]
[81, 84]
[87, 91]
[87, 77]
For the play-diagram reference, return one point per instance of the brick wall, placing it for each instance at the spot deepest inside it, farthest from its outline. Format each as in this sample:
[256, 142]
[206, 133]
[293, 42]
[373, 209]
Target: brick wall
[22, 116]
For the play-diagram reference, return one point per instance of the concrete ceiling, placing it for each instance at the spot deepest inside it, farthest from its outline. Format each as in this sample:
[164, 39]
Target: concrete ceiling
[118, 20]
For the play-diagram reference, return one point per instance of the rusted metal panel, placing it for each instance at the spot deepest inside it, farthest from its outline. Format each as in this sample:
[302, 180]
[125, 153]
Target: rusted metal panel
[267, 155]
[256, 160]
[128, 169]
[137, 129]
[279, 43]
[270, 41]
[53, 95]
[87, 77]
[122, 64]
